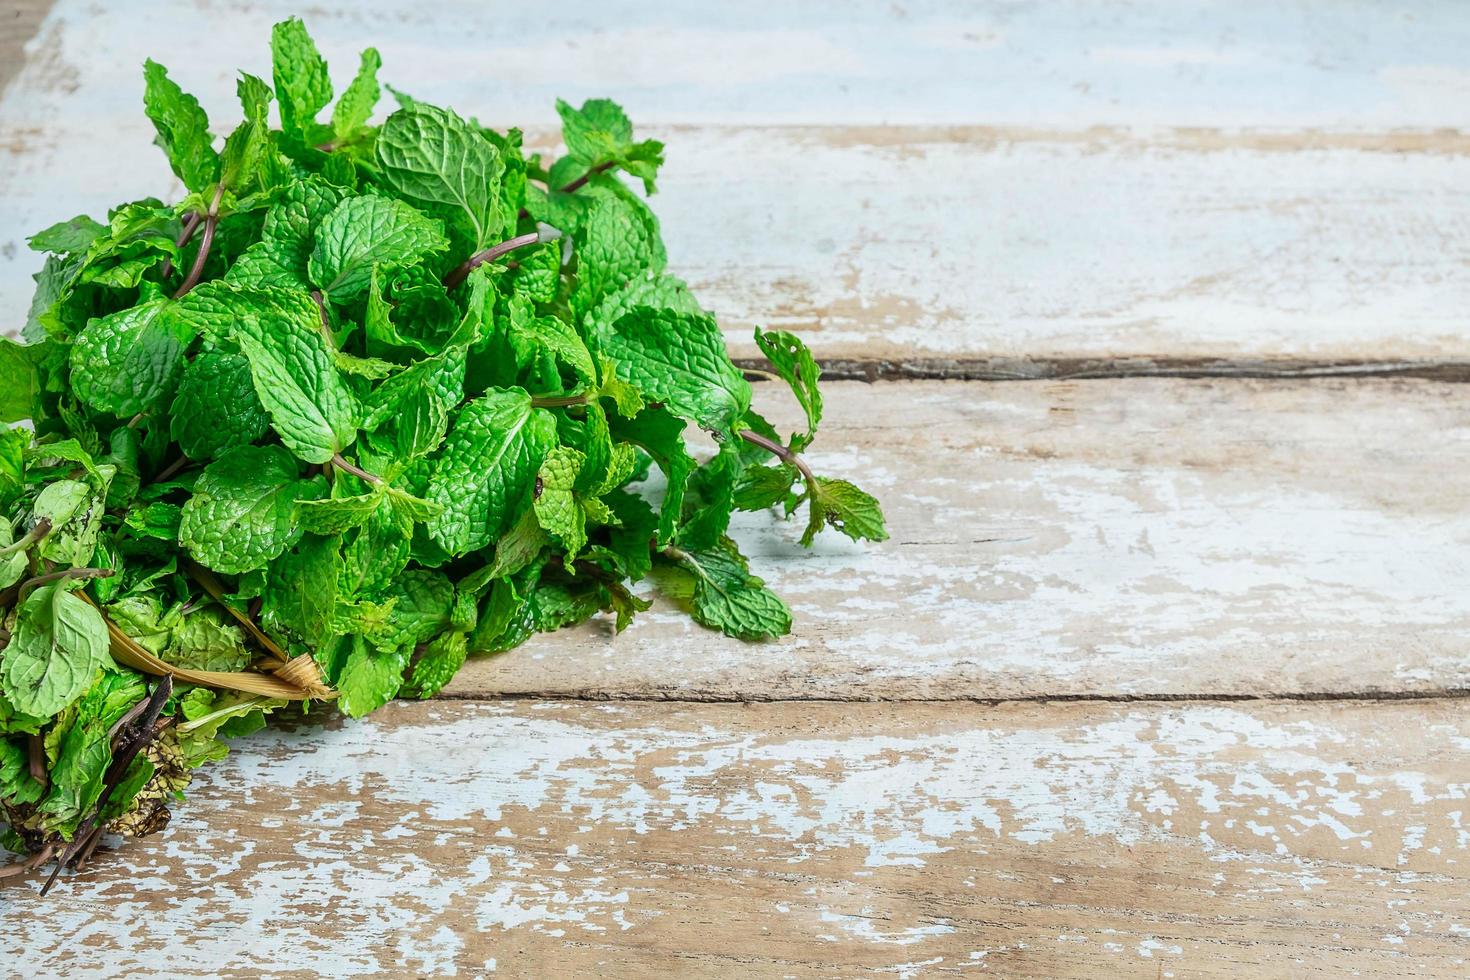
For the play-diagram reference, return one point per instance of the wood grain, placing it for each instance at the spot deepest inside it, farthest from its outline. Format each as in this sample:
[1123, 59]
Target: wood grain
[1106, 538]
[800, 841]
[1162, 199]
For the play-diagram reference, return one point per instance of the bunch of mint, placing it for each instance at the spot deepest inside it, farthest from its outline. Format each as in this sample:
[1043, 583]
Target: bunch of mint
[367, 401]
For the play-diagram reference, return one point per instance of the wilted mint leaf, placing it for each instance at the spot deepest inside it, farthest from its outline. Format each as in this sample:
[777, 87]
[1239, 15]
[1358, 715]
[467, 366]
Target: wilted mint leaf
[59, 644]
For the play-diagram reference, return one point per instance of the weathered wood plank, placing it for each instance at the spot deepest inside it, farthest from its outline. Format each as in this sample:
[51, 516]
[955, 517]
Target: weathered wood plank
[1135, 537]
[1295, 63]
[800, 841]
[1101, 225]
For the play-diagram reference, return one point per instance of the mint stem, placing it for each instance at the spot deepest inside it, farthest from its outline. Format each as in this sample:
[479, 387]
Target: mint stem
[171, 469]
[461, 271]
[42, 528]
[191, 222]
[358, 472]
[559, 401]
[210, 221]
[581, 181]
[782, 453]
[31, 584]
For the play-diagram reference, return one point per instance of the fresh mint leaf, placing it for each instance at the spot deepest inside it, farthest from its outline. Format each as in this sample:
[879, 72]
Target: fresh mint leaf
[363, 232]
[356, 105]
[680, 360]
[852, 511]
[124, 363]
[430, 156]
[303, 87]
[243, 511]
[487, 468]
[791, 359]
[183, 128]
[728, 598]
[296, 378]
[215, 408]
[557, 510]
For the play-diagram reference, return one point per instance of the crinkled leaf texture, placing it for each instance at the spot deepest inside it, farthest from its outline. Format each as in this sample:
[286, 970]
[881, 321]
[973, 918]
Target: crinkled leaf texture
[487, 468]
[242, 513]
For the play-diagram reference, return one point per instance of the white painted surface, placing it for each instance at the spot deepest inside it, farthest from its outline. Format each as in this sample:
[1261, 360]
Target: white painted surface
[1114, 537]
[1021, 231]
[800, 838]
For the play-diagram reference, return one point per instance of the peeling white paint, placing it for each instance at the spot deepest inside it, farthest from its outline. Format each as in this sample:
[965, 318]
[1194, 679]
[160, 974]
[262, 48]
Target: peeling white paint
[621, 785]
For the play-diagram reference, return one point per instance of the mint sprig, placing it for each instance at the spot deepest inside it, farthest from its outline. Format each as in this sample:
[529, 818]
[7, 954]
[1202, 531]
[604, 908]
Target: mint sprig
[366, 402]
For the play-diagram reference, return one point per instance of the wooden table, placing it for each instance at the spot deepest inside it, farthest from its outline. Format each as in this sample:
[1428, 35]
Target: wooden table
[1152, 323]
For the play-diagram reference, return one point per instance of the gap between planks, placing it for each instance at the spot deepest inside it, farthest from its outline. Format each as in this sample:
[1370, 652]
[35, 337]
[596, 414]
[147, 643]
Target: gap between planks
[1203, 698]
[1117, 368]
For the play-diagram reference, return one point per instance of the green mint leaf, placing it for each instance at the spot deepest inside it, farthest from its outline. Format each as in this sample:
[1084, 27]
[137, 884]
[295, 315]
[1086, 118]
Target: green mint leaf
[76, 778]
[791, 359]
[208, 639]
[422, 606]
[216, 409]
[680, 360]
[67, 237]
[309, 403]
[183, 128]
[246, 148]
[618, 242]
[439, 662]
[661, 434]
[487, 468]
[370, 677]
[125, 362]
[518, 547]
[59, 645]
[433, 157]
[600, 133]
[841, 505]
[75, 511]
[365, 231]
[19, 383]
[243, 512]
[336, 515]
[356, 105]
[301, 593]
[728, 598]
[303, 87]
[557, 510]
[762, 487]
[282, 255]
